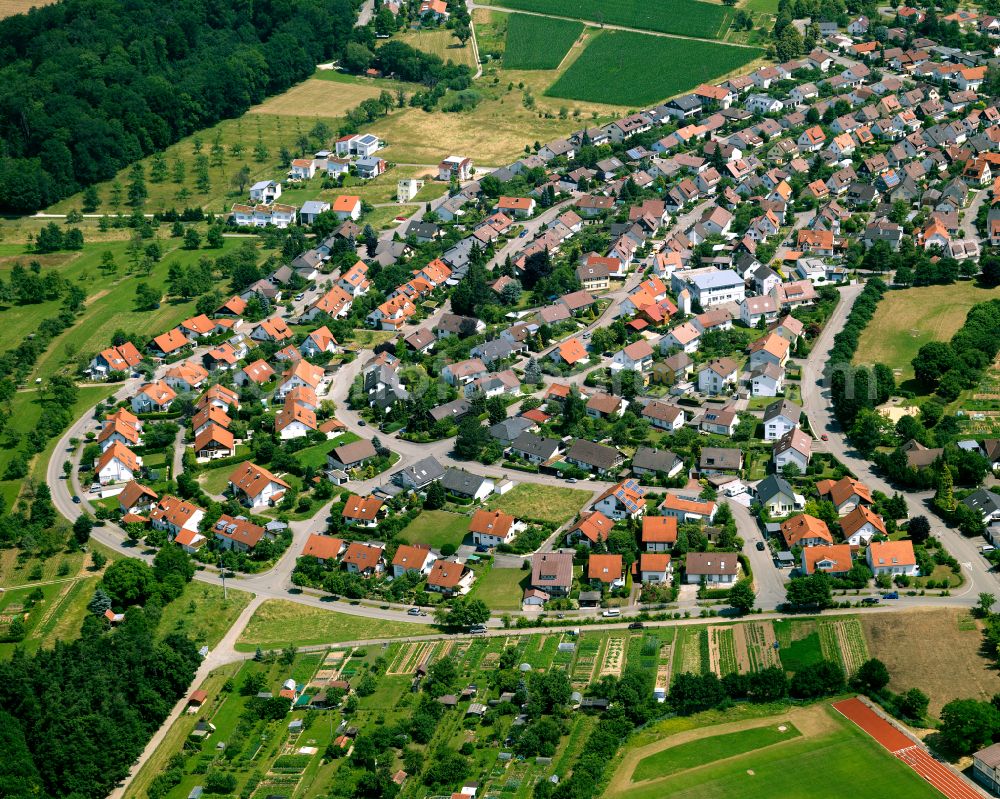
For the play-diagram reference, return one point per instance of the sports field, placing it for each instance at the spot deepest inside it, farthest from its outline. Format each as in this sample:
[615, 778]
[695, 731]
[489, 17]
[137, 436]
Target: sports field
[830, 759]
[905, 320]
[538, 42]
[635, 69]
[683, 17]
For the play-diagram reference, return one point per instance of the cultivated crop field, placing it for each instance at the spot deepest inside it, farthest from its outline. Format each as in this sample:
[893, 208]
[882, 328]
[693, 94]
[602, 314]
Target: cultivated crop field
[538, 42]
[635, 69]
[683, 17]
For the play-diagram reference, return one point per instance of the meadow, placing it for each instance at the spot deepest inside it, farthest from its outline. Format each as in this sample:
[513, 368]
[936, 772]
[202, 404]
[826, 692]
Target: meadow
[681, 17]
[907, 319]
[635, 69]
[442, 43]
[279, 622]
[541, 503]
[501, 589]
[538, 42]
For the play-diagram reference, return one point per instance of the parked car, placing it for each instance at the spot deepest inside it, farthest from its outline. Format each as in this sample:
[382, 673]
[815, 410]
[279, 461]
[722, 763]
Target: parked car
[825, 437]
[413, 612]
[890, 595]
[760, 546]
[636, 625]
[870, 600]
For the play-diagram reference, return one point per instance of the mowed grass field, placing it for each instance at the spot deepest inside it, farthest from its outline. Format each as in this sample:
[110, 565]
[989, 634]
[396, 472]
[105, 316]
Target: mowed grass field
[707, 750]
[278, 623]
[907, 319]
[831, 759]
[538, 42]
[437, 528]
[542, 503]
[635, 69]
[322, 98]
[683, 17]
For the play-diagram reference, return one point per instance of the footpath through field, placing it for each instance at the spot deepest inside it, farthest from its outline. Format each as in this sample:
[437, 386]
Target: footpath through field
[942, 777]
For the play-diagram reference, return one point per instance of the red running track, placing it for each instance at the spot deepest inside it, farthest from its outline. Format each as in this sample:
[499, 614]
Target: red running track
[914, 755]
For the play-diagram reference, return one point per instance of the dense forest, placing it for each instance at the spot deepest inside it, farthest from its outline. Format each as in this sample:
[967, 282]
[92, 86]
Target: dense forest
[92, 85]
[74, 718]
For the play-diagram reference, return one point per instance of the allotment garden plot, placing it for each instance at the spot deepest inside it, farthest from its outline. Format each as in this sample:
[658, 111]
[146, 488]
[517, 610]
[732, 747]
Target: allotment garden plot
[635, 69]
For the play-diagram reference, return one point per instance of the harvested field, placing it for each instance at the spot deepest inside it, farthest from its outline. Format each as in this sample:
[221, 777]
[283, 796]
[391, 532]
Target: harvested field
[318, 98]
[948, 667]
[9, 8]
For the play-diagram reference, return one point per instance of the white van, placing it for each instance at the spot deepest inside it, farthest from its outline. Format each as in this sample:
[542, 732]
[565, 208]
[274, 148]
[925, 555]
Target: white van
[611, 613]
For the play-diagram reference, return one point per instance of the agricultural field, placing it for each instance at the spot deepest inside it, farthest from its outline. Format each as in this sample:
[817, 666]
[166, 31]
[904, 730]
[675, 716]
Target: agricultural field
[951, 668]
[635, 69]
[907, 319]
[681, 17]
[755, 759]
[691, 651]
[436, 528]
[541, 503]
[538, 42]
[9, 8]
[442, 43]
[279, 622]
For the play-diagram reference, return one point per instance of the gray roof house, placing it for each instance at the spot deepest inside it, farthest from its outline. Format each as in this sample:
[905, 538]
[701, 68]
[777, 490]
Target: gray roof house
[420, 474]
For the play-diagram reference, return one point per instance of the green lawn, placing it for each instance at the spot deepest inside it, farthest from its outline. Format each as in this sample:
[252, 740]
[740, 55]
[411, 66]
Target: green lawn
[436, 528]
[801, 653]
[708, 750]
[202, 614]
[279, 622]
[501, 589]
[635, 69]
[215, 481]
[315, 455]
[537, 42]
[542, 503]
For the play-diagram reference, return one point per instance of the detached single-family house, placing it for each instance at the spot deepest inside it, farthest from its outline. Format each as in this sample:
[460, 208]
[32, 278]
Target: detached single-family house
[254, 486]
[712, 568]
[836, 560]
[659, 533]
[415, 558]
[552, 572]
[491, 528]
[892, 558]
[804, 530]
[625, 500]
[861, 525]
[606, 570]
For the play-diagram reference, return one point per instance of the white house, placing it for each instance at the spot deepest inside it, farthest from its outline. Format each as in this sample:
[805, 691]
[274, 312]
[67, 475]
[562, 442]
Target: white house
[118, 464]
[793, 448]
[255, 486]
[491, 528]
[265, 191]
[716, 376]
[780, 418]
